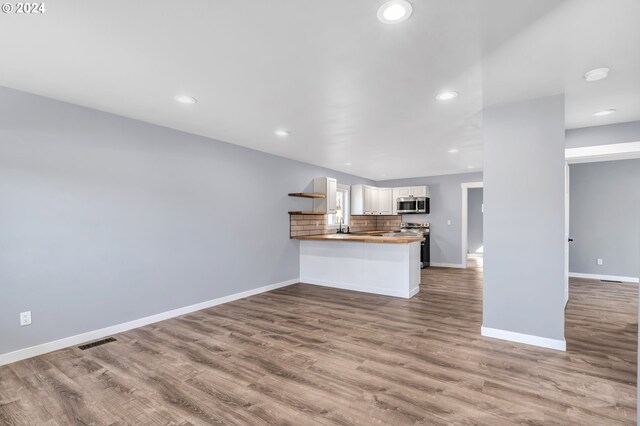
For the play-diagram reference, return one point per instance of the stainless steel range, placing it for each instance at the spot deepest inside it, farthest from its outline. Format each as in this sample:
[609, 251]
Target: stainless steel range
[420, 229]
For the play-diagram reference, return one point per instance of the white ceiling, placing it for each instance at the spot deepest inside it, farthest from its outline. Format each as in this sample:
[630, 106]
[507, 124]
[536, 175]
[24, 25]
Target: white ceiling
[349, 88]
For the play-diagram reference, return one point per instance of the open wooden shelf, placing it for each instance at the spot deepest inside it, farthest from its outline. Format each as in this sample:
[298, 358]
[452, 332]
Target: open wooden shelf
[307, 195]
[309, 213]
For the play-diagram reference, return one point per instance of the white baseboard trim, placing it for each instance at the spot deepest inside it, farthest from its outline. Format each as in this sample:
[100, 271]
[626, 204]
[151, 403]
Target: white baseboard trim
[446, 265]
[512, 336]
[119, 328]
[604, 277]
[364, 289]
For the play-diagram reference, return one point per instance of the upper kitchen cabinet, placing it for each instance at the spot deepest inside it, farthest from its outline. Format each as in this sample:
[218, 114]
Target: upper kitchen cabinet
[369, 200]
[402, 192]
[411, 191]
[329, 187]
[357, 199]
[364, 200]
[420, 191]
[385, 200]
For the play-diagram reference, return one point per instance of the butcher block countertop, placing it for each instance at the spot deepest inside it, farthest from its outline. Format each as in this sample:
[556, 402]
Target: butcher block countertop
[363, 238]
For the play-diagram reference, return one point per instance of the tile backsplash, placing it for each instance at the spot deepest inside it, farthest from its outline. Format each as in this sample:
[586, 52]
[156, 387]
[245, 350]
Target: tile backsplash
[388, 223]
[302, 225]
[362, 223]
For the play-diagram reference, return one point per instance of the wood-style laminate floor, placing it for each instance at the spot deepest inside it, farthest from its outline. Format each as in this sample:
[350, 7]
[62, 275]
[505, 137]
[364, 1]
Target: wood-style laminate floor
[306, 355]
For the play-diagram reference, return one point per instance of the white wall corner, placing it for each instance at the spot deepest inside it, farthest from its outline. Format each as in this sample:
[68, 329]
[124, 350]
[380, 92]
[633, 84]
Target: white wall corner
[528, 339]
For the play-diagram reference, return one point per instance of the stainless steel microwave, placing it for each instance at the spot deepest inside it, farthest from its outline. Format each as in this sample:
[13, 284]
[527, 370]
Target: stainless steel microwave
[408, 205]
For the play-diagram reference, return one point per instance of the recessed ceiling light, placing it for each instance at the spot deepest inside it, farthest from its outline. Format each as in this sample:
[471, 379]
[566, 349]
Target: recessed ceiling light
[453, 150]
[597, 74]
[604, 112]
[185, 99]
[347, 164]
[395, 11]
[282, 132]
[445, 96]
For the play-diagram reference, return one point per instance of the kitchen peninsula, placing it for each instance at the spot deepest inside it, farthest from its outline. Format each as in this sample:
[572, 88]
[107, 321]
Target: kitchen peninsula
[378, 263]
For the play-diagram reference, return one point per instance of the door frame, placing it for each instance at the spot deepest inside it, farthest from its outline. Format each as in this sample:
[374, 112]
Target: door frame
[592, 154]
[465, 217]
[567, 229]
[596, 153]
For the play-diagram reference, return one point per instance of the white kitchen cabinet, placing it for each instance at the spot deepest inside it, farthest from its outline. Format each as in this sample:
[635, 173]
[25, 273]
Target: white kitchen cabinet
[385, 201]
[357, 199]
[370, 200]
[329, 187]
[403, 192]
[364, 200]
[375, 201]
[367, 200]
[411, 191]
[419, 191]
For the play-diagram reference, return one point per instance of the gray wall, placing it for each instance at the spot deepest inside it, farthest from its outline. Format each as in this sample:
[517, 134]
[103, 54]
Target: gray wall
[474, 214]
[446, 203]
[104, 219]
[524, 217]
[604, 211]
[603, 135]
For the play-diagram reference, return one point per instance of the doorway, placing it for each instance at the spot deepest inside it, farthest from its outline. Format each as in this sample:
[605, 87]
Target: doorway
[603, 236]
[472, 224]
[601, 219]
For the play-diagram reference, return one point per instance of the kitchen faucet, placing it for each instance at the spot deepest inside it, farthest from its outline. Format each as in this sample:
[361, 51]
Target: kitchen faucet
[340, 230]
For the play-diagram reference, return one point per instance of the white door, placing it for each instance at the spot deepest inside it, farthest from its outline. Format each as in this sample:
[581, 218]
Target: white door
[566, 233]
[385, 200]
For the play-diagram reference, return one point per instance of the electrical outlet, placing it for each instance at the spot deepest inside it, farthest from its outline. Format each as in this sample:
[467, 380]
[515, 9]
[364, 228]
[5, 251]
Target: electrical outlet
[25, 318]
[599, 261]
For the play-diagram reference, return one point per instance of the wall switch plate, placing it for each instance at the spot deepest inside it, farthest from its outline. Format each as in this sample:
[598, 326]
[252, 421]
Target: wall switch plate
[25, 318]
[599, 261]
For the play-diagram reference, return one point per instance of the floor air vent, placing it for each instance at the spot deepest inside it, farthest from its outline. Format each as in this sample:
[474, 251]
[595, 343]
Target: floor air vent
[610, 281]
[96, 343]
